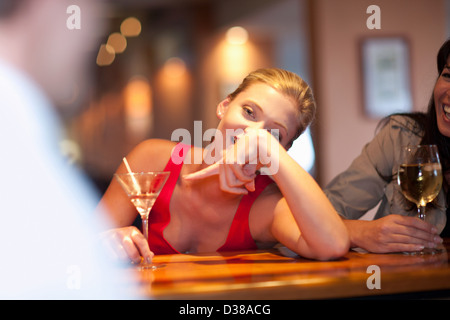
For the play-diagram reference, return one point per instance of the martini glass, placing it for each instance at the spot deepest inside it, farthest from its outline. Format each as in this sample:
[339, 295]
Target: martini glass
[143, 188]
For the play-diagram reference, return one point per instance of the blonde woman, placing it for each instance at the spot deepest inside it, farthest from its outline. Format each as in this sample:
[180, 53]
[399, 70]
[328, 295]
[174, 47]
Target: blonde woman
[227, 205]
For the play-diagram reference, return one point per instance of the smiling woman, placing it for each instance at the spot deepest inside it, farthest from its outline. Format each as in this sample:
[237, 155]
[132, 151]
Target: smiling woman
[442, 101]
[228, 205]
[372, 178]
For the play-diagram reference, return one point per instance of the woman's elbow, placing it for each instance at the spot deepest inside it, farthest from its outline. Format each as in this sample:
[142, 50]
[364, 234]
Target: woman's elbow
[338, 248]
[339, 243]
[332, 250]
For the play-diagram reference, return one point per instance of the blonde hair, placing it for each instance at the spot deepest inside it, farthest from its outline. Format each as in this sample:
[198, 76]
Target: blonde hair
[290, 85]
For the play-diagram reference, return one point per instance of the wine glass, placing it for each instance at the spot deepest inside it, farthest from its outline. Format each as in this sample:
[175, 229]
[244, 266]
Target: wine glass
[143, 188]
[420, 178]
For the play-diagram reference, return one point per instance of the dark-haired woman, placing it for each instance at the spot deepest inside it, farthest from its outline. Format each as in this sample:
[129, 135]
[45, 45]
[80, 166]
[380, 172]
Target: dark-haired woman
[371, 178]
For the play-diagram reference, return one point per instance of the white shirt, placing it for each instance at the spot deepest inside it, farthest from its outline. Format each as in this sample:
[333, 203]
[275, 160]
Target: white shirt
[48, 243]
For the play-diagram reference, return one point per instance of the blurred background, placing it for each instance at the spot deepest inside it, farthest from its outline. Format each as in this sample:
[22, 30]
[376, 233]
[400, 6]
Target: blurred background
[163, 64]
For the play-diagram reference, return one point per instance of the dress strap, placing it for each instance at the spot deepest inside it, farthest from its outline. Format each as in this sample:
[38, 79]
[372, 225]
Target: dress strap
[174, 166]
[239, 236]
[159, 217]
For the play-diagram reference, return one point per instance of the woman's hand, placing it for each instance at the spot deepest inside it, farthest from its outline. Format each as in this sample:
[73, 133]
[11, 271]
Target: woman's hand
[393, 233]
[239, 163]
[127, 244]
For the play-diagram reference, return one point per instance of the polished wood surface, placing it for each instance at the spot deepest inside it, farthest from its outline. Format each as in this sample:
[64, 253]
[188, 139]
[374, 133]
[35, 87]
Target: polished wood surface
[278, 274]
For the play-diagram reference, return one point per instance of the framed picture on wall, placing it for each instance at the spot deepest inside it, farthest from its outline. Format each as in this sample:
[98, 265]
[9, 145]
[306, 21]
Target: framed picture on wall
[385, 76]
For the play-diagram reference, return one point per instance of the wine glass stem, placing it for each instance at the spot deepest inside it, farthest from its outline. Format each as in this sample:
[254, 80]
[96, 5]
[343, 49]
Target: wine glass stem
[421, 212]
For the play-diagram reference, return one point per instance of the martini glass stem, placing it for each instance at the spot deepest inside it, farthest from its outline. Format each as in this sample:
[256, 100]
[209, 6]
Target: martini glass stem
[145, 265]
[145, 227]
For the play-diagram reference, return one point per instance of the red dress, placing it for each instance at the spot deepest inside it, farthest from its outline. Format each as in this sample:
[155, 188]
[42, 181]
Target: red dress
[239, 237]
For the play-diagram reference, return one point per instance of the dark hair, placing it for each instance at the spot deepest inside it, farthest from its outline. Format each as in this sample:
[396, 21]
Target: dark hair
[432, 134]
[427, 122]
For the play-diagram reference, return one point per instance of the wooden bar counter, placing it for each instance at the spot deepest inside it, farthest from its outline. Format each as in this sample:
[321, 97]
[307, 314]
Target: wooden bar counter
[279, 274]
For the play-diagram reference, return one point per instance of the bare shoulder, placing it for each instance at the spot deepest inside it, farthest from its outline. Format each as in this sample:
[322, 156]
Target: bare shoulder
[150, 155]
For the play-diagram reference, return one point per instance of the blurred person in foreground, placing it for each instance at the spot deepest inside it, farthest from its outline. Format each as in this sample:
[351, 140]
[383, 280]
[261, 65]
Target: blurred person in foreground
[371, 179]
[47, 231]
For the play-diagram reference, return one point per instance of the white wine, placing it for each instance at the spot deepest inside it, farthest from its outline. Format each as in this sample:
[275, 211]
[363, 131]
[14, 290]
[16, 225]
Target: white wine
[420, 183]
[143, 202]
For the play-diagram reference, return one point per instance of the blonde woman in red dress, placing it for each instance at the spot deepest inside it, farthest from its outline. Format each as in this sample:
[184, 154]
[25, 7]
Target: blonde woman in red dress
[226, 204]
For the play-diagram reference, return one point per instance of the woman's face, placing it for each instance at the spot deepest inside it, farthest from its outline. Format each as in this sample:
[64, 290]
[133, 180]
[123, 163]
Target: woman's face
[442, 100]
[259, 107]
